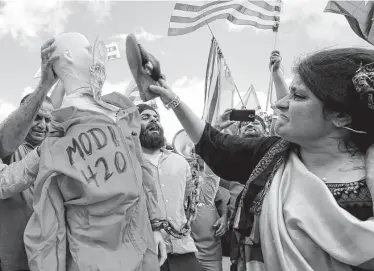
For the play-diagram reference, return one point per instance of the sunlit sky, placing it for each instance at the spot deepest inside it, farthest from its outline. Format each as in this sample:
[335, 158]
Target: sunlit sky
[24, 25]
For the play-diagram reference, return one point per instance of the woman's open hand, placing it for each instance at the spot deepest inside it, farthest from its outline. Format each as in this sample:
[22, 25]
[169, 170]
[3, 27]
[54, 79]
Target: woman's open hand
[163, 91]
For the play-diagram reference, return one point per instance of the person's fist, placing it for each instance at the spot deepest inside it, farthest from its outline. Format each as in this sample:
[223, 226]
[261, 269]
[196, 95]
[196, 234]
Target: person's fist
[275, 61]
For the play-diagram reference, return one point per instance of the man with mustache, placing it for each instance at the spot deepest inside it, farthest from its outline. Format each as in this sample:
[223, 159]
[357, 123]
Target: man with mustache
[172, 174]
[256, 128]
[16, 210]
[37, 133]
[20, 137]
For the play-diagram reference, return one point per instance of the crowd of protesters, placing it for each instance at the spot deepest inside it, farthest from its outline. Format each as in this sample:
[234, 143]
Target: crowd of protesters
[292, 194]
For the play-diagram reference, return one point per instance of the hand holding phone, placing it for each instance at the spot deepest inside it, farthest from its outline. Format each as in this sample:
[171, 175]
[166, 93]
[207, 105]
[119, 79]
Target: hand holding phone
[242, 115]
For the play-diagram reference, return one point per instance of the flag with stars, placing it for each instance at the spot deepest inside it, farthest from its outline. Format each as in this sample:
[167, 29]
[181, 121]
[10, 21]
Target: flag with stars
[359, 15]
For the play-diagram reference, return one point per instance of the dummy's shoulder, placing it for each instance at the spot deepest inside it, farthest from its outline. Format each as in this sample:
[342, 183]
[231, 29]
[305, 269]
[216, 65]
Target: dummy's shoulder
[119, 100]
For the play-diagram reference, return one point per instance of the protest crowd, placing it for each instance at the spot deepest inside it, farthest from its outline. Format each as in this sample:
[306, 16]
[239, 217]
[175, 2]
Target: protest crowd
[89, 182]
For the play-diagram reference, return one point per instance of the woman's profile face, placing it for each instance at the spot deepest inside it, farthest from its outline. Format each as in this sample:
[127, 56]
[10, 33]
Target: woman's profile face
[301, 119]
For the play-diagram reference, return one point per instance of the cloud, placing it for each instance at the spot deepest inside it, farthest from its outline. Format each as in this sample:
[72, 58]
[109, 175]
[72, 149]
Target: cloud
[26, 90]
[191, 91]
[141, 34]
[238, 28]
[101, 9]
[26, 20]
[318, 24]
[5, 109]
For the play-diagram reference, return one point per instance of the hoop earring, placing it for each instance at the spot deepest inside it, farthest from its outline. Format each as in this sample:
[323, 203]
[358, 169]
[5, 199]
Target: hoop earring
[353, 130]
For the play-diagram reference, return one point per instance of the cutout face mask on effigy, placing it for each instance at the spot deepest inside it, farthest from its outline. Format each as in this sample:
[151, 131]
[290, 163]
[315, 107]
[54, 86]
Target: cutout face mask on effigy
[81, 68]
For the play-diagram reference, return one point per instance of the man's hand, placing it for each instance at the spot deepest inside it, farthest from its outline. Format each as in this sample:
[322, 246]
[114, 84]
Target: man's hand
[221, 226]
[223, 121]
[160, 247]
[275, 61]
[48, 77]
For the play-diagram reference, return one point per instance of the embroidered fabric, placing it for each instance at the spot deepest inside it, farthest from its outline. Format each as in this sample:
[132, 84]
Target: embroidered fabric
[351, 193]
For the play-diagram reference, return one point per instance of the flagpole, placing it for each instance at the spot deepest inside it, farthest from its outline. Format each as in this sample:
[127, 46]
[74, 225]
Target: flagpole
[237, 91]
[270, 87]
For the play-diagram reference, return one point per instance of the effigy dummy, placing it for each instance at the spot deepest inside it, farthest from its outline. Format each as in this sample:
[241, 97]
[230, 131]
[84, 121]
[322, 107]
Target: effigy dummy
[94, 198]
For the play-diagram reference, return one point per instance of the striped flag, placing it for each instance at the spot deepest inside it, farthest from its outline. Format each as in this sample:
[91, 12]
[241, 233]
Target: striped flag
[187, 18]
[359, 15]
[219, 85]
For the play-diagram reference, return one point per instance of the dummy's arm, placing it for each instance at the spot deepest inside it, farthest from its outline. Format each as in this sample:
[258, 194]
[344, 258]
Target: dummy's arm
[14, 129]
[149, 186]
[18, 176]
[45, 233]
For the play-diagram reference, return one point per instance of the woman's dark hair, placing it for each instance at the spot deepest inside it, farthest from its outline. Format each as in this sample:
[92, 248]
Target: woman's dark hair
[328, 74]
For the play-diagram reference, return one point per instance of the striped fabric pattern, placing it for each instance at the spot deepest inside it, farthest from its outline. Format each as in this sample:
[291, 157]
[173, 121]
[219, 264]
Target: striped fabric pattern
[219, 85]
[187, 18]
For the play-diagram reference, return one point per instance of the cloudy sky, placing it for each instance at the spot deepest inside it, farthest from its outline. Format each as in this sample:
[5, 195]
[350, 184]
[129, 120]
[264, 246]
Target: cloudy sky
[24, 25]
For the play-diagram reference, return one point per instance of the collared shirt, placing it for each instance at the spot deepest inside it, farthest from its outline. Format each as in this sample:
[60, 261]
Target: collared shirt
[15, 207]
[173, 181]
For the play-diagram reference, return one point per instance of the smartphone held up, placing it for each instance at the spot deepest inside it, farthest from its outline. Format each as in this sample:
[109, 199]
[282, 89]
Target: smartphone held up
[242, 115]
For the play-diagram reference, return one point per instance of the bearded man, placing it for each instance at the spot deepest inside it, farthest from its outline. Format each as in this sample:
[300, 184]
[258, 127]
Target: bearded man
[172, 174]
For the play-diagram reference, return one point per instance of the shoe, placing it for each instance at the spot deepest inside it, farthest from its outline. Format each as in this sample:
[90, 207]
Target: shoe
[144, 67]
